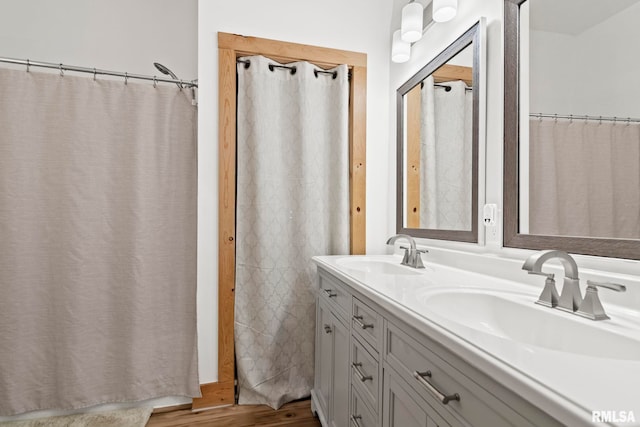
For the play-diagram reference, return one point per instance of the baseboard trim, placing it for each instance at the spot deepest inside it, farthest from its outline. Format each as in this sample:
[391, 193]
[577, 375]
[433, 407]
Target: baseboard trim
[164, 409]
[214, 395]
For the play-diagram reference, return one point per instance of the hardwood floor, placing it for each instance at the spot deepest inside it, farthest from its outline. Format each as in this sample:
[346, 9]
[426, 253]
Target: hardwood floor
[292, 414]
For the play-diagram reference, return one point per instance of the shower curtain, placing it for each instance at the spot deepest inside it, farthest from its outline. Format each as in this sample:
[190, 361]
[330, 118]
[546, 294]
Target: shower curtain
[292, 204]
[97, 242]
[445, 156]
[584, 178]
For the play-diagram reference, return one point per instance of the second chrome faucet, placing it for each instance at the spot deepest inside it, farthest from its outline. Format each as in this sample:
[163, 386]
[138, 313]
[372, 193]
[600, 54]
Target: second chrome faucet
[412, 256]
[570, 298]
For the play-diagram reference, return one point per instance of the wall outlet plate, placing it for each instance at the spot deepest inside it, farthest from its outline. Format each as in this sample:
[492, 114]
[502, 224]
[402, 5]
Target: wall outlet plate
[489, 214]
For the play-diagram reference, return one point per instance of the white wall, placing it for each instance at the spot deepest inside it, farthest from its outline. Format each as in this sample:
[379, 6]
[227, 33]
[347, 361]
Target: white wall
[356, 25]
[592, 73]
[118, 35]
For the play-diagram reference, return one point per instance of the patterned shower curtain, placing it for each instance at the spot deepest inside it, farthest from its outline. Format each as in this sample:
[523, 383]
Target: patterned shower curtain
[292, 204]
[97, 242]
[446, 151]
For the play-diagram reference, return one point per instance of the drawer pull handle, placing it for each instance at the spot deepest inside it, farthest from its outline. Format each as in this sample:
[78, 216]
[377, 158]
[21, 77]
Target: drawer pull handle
[358, 320]
[355, 420]
[363, 377]
[420, 376]
[330, 293]
[327, 329]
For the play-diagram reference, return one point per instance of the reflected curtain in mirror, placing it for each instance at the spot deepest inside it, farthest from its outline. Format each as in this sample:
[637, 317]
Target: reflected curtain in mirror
[584, 178]
[445, 155]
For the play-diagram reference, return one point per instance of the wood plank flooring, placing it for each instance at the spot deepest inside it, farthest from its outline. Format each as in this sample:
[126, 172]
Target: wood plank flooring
[292, 414]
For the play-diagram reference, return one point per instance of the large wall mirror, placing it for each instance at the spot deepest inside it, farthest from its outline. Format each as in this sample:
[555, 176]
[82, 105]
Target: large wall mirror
[572, 126]
[437, 144]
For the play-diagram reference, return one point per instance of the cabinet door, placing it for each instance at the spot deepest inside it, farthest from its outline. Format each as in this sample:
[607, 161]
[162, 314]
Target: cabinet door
[324, 358]
[401, 410]
[341, 375]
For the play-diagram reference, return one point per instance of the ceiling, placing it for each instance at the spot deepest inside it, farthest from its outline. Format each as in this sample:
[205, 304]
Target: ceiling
[573, 16]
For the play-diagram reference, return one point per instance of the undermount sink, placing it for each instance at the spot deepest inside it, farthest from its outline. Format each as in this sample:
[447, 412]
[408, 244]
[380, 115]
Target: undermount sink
[376, 266]
[515, 317]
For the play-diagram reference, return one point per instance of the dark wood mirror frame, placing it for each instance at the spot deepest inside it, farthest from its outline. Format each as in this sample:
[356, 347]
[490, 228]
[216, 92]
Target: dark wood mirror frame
[472, 35]
[618, 248]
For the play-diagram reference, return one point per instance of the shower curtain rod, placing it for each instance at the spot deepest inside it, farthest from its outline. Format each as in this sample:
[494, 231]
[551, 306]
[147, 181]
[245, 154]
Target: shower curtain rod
[445, 86]
[292, 68]
[62, 67]
[595, 118]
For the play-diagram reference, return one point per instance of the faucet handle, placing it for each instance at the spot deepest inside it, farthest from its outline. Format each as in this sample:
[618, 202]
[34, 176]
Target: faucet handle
[420, 251]
[405, 259]
[549, 296]
[609, 285]
[591, 307]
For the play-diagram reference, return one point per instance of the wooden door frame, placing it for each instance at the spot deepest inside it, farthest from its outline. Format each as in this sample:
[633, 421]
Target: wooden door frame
[230, 47]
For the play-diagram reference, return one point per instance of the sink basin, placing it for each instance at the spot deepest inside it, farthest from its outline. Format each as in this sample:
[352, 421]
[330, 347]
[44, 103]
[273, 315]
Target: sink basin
[515, 317]
[376, 266]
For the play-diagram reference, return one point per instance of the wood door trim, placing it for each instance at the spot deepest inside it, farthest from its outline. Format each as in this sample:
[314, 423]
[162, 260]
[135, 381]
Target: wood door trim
[230, 47]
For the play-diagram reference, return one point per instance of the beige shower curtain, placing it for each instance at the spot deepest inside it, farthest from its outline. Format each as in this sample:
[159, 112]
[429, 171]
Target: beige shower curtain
[292, 204]
[584, 178]
[446, 149]
[97, 242]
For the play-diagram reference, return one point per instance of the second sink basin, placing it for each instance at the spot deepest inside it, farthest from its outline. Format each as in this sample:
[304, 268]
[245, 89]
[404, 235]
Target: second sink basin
[376, 266]
[515, 317]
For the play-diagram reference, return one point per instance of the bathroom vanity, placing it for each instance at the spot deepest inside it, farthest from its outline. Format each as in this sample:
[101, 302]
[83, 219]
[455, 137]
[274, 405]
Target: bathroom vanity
[402, 347]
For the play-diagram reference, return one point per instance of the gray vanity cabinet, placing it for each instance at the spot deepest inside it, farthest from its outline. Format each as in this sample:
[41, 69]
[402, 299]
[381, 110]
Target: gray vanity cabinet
[402, 409]
[331, 390]
[375, 370]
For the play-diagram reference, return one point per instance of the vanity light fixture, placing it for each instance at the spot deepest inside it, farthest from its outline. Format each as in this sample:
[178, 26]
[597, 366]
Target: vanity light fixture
[444, 10]
[411, 26]
[400, 50]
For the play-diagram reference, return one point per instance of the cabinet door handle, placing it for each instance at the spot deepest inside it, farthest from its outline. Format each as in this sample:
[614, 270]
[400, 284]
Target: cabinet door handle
[363, 377]
[358, 320]
[355, 420]
[420, 376]
[330, 293]
[327, 329]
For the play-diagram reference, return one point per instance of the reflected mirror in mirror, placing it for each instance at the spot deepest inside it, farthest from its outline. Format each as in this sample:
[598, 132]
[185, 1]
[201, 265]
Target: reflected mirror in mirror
[572, 126]
[438, 145]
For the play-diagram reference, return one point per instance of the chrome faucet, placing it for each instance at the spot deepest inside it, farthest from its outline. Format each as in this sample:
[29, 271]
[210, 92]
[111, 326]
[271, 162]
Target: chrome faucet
[570, 298]
[411, 254]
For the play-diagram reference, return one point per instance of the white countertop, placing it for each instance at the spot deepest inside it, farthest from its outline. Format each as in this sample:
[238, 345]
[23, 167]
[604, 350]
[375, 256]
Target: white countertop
[566, 385]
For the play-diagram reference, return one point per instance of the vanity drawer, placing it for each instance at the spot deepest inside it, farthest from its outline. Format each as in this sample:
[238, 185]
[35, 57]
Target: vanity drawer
[365, 372]
[430, 375]
[361, 414]
[335, 294]
[367, 322]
